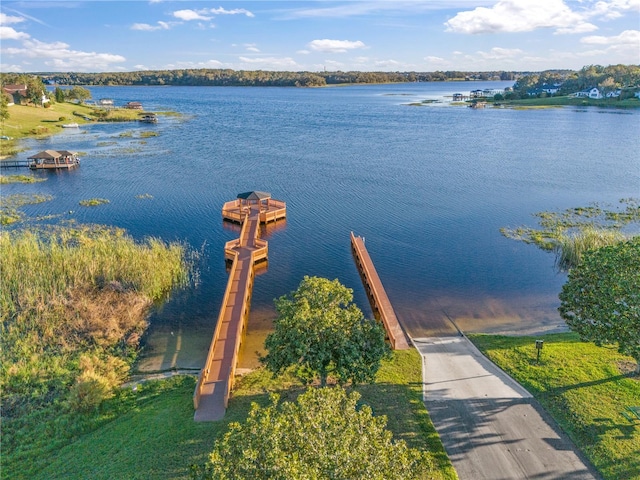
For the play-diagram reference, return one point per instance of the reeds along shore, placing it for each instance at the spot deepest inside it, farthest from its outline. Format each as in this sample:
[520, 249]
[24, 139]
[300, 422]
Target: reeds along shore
[73, 305]
[570, 248]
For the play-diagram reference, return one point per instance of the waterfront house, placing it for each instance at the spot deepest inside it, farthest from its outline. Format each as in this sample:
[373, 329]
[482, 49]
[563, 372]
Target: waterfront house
[16, 92]
[133, 105]
[589, 93]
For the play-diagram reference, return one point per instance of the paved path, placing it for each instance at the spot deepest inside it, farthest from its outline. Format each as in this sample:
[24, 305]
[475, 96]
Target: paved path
[491, 427]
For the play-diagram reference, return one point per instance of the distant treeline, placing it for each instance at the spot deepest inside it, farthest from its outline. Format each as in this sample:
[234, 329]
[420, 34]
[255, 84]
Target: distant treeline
[241, 78]
[612, 76]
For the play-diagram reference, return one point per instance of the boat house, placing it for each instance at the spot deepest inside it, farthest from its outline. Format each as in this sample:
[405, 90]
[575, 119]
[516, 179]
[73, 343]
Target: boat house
[53, 159]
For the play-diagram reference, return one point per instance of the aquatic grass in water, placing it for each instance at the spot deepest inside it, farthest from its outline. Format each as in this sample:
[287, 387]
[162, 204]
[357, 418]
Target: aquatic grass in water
[92, 202]
[6, 179]
[575, 230]
[570, 248]
[9, 206]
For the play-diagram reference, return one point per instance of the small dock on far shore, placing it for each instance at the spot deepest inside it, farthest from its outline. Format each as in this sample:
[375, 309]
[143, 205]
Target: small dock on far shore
[382, 309]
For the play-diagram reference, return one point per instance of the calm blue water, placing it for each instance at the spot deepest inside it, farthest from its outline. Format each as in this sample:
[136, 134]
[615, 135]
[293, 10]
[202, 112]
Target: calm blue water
[428, 187]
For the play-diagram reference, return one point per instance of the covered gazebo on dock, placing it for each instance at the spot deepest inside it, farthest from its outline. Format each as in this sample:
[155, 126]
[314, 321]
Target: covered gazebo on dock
[53, 159]
[254, 198]
[268, 208]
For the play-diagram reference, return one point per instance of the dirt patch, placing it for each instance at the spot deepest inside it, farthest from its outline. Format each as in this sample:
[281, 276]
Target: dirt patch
[628, 368]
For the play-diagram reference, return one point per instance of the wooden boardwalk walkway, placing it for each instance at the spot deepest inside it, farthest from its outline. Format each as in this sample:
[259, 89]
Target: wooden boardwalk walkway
[215, 382]
[380, 303]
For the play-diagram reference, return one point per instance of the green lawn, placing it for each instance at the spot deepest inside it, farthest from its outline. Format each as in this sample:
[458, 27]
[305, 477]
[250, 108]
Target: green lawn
[578, 102]
[150, 433]
[584, 387]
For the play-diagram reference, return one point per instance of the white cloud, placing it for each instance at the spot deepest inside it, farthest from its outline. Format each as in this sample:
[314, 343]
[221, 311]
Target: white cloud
[512, 16]
[145, 27]
[303, 52]
[433, 59]
[628, 37]
[187, 15]
[8, 19]
[335, 46]
[270, 63]
[252, 47]
[498, 53]
[4, 67]
[373, 7]
[8, 33]
[207, 64]
[235, 11]
[332, 65]
[207, 13]
[59, 56]
[580, 28]
[389, 64]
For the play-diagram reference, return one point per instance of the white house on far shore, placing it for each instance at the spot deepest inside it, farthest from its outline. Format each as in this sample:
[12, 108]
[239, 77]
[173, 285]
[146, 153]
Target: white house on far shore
[589, 93]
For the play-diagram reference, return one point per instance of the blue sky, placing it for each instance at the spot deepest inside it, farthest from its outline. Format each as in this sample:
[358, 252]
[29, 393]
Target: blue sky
[389, 35]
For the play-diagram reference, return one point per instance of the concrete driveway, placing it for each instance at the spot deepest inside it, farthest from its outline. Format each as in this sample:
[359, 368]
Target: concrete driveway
[491, 427]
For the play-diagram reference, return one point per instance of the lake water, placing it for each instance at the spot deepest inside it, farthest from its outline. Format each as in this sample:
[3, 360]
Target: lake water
[428, 187]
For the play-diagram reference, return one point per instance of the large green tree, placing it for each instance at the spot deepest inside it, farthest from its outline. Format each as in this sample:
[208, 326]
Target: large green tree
[319, 330]
[324, 435]
[35, 89]
[79, 93]
[601, 299]
[4, 107]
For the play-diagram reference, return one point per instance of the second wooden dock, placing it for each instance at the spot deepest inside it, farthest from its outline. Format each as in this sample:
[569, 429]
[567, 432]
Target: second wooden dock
[380, 303]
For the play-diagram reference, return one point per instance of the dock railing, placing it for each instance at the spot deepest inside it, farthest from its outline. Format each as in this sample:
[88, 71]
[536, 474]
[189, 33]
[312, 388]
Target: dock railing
[246, 304]
[204, 373]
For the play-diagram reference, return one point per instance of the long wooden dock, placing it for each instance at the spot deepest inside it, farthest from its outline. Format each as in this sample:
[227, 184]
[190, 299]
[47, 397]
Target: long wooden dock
[215, 381]
[380, 304]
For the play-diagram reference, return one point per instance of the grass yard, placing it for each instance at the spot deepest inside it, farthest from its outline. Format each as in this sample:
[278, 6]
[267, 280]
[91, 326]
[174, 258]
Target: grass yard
[150, 433]
[571, 101]
[29, 121]
[584, 387]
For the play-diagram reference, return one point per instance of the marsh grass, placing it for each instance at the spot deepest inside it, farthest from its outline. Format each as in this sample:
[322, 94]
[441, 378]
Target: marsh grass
[93, 202]
[570, 248]
[148, 134]
[10, 205]
[584, 388]
[6, 179]
[573, 231]
[73, 305]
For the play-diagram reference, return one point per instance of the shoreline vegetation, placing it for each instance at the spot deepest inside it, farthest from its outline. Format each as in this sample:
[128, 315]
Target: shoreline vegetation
[73, 306]
[574, 231]
[29, 121]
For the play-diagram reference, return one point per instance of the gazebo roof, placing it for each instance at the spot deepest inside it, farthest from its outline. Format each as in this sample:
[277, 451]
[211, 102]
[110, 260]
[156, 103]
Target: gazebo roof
[46, 154]
[255, 195]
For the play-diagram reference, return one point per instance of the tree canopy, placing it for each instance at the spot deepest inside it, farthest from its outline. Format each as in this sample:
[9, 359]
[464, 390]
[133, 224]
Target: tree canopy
[324, 435]
[323, 334]
[601, 299]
